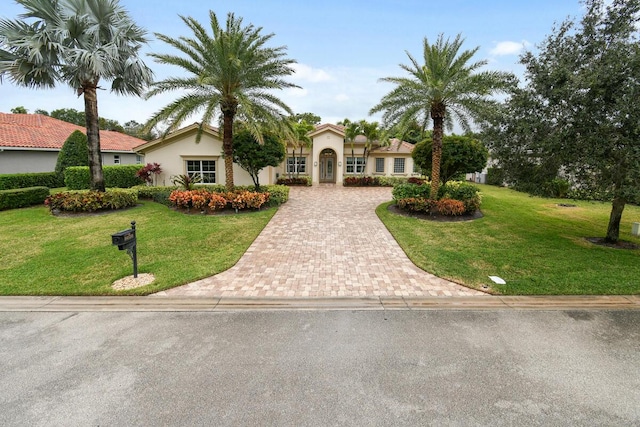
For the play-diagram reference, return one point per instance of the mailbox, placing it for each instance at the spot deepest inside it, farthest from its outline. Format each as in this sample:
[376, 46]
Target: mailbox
[125, 239]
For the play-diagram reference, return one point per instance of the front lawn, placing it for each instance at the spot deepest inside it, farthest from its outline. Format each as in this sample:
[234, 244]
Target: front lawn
[536, 246]
[72, 255]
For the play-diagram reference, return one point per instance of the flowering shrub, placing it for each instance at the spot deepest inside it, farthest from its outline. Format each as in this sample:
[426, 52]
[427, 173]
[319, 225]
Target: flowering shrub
[217, 202]
[361, 181]
[463, 191]
[449, 207]
[146, 172]
[299, 180]
[91, 201]
[415, 204]
[202, 199]
[416, 180]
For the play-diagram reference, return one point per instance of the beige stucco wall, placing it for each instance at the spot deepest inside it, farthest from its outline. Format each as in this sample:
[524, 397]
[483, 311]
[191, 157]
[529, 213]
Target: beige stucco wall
[173, 153]
[323, 141]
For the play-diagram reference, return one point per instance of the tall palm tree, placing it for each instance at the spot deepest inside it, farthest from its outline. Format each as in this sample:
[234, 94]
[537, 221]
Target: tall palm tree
[231, 72]
[301, 131]
[351, 131]
[445, 88]
[80, 43]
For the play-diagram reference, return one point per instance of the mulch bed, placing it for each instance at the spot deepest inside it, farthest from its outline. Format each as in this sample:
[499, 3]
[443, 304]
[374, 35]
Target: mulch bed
[393, 208]
[621, 244]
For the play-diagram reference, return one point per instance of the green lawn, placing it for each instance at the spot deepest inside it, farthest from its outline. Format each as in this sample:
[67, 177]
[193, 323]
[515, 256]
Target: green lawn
[46, 255]
[536, 246]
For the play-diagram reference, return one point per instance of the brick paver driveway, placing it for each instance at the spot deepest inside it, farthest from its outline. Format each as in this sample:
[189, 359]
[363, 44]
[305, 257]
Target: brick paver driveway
[325, 241]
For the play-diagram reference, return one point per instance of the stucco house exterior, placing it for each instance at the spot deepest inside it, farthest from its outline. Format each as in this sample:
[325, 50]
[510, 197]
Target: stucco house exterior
[327, 160]
[31, 143]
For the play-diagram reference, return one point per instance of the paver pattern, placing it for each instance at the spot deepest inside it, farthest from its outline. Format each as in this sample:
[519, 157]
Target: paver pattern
[326, 241]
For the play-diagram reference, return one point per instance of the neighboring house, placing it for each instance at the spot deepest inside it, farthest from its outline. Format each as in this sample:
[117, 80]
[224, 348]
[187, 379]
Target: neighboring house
[31, 143]
[327, 160]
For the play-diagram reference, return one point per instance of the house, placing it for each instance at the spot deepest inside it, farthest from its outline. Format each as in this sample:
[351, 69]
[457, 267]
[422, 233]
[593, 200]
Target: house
[327, 160]
[31, 143]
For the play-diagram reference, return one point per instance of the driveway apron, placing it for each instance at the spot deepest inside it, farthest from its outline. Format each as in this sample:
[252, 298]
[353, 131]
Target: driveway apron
[325, 241]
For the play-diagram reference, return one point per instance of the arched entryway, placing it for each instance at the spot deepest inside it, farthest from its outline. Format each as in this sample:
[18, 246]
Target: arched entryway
[328, 159]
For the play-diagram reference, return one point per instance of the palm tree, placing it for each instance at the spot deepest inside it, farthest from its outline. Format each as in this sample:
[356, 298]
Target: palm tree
[80, 43]
[301, 132]
[230, 72]
[351, 131]
[446, 87]
[372, 135]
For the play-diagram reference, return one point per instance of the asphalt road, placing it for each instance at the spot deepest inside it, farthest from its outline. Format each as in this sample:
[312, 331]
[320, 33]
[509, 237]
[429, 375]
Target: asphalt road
[360, 368]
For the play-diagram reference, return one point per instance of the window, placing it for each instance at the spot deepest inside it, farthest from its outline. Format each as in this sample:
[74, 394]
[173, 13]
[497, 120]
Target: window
[116, 159]
[398, 165]
[379, 165]
[138, 159]
[206, 169]
[296, 165]
[355, 165]
[416, 168]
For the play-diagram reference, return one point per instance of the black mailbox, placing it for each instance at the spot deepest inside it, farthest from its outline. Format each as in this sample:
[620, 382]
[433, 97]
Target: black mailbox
[124, 239]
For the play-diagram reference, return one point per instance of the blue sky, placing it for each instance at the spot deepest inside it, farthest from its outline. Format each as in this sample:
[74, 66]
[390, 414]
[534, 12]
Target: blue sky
[342, 48]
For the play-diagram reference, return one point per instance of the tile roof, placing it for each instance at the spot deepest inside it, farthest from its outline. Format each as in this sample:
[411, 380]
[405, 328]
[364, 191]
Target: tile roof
[36, 131]
[396, 146]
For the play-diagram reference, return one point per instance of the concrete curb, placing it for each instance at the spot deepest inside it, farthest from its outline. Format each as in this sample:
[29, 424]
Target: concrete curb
[225, 304]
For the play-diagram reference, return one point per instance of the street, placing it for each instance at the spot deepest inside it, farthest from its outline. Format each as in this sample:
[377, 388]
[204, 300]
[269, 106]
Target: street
[360, 368]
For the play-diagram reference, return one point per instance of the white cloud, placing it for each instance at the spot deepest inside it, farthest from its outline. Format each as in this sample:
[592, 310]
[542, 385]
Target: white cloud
[308, 74]
[509, 48]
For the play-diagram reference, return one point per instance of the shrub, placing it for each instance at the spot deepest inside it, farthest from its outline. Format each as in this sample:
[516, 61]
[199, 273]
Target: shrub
[298, 180]
[22, 197]
[147, 172]
[557, 188]
[148, 192]
[406, 191]
[495, 176]
[391, 181]
[416, 180]
[463, 191]
[415, 204]
[187, 182]
[74, 152]
[278, 194]
[202, 199]
[361, 181]
[449, 207]
[91, 201]
[120, 176]
[26, 180]
[217, 202]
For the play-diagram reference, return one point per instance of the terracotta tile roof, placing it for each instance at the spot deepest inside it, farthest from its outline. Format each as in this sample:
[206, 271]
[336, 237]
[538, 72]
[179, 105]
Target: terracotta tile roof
[35, 131]
[396, 146]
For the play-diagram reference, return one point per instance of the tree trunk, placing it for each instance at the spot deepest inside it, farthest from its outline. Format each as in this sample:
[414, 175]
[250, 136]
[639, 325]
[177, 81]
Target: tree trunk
[298, 164]
[437, 114]
[93, 136]
[227, 146]
[613, 230]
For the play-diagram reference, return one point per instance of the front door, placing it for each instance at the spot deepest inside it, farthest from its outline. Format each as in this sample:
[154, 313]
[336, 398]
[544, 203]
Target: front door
[327, 166]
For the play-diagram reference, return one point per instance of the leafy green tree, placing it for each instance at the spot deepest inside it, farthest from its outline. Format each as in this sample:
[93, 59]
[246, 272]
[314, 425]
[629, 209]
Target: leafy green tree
[578, 111]
[138, 130]
[79, 43]
[310, 118]
[460, 154]
[19, 110]
[254, 156]
[70, 115]
[41, 111]
[231, 72]
[446, 87]
[74, 152]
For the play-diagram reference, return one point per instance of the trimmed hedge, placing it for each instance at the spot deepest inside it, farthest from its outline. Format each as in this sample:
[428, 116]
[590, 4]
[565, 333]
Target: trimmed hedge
[278, 194]
[410, 191]
[22, 197]
[91, 201]
[298, 180]
[27, 180]
[119, 176]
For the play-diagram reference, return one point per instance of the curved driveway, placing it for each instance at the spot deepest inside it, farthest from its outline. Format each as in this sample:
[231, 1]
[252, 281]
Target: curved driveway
[325, 241]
